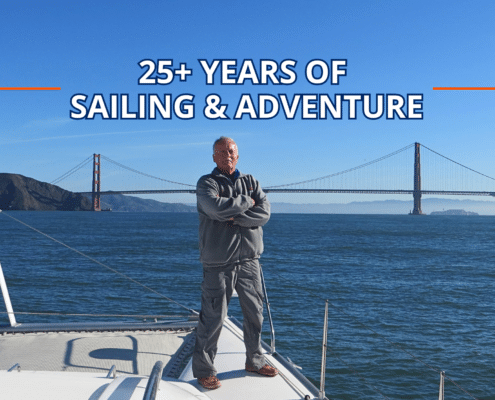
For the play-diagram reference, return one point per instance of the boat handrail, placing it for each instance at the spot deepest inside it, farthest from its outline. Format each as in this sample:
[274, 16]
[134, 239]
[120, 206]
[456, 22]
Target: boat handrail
[153, 381]
[324, 354]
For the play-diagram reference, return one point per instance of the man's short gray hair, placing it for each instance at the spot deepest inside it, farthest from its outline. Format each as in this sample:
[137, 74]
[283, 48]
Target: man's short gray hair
[223, 139]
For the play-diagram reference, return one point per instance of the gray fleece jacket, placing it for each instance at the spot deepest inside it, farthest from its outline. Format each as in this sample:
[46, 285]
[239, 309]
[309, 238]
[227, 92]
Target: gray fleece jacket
[221, 239]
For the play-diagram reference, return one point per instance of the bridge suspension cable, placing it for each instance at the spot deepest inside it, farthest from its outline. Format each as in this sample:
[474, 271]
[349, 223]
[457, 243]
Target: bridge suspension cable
[72, 171]
[442, 176]
[455, 162]
[145, 174]
[343, 172]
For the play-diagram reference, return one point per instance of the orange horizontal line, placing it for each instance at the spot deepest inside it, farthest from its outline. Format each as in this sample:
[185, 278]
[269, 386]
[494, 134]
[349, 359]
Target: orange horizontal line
[464, 88]
[29, 88]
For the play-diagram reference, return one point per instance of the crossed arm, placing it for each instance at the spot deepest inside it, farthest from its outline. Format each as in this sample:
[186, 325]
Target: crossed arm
[243, 210]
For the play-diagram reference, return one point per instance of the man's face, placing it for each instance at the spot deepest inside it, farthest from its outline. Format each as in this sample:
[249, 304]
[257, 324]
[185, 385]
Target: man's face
[226, 156]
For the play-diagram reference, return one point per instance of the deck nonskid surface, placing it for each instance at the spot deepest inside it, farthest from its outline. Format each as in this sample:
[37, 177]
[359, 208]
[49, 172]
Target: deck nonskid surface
[132, 352]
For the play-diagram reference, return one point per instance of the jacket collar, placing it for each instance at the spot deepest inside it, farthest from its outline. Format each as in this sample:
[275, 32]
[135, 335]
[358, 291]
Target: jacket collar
[217, 172]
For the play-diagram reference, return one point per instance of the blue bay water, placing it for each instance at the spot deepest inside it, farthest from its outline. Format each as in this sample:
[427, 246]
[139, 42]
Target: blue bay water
[426, 284]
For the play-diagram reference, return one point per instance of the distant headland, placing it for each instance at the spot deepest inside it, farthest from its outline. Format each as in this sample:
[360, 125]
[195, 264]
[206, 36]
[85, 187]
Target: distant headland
[18, 192]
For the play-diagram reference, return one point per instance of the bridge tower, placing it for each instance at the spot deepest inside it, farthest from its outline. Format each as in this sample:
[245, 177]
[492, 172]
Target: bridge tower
[417, 181]
[96, 183]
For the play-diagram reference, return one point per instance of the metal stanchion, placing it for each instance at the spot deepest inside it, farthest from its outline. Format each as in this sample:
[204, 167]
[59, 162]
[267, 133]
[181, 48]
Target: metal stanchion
[440, 392]
[324, 354]
[6, 299]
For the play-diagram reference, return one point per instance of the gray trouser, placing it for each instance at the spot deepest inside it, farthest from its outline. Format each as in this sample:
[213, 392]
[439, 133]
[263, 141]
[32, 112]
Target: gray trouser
[217, 288]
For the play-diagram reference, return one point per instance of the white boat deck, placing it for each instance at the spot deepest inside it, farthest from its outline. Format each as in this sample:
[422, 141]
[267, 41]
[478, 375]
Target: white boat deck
[239, 384]
[75, 364]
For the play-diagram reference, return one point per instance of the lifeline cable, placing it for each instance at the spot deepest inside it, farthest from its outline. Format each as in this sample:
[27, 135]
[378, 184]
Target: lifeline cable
[100, 263]
[383, 337]
[98, 315]
[371, 386]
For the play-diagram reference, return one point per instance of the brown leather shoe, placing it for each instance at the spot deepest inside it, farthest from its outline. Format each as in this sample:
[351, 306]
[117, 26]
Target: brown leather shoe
[210, 383]
[265, 370]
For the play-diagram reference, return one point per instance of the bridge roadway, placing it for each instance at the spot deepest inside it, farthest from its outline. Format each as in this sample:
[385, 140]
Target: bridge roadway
[268, 190]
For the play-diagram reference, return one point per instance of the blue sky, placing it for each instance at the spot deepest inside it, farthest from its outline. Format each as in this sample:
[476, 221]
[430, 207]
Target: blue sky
[397, 47]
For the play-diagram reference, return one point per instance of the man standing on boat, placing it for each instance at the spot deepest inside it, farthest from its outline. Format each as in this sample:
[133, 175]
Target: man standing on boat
[232, 209]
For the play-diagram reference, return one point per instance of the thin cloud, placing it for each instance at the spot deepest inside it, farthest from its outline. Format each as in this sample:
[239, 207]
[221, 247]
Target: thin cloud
[46, 123]
[171, 146]
[41, 139]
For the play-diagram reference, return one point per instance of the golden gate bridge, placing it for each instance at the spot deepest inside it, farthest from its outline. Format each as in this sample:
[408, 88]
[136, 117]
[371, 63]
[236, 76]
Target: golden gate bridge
[396, 173]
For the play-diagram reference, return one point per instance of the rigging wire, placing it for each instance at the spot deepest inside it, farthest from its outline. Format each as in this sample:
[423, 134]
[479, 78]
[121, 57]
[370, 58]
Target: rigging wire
[378, 334]
[100, 263]
[144, 174]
